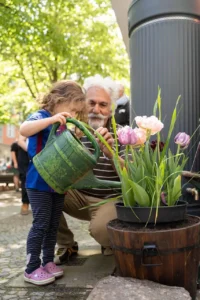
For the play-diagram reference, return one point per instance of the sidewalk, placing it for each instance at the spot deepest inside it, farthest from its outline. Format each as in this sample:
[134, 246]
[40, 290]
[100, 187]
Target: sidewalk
[80, 275]
[9, 203]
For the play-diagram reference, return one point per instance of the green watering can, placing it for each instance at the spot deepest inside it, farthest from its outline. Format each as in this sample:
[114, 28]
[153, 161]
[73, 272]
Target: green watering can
[65, 163]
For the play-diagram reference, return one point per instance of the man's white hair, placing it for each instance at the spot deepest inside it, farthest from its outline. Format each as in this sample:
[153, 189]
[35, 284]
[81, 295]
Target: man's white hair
[109, 85]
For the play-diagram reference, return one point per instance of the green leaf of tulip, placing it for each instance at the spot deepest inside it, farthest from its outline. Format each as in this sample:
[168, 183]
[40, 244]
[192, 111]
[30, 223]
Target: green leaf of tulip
[140, 194]
[128, 195]
[176, 190]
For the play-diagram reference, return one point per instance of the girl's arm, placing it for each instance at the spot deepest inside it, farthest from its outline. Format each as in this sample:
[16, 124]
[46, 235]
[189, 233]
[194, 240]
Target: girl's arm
[29, 128]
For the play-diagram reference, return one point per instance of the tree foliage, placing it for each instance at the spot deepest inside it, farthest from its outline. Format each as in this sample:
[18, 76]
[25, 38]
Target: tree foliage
[49, 40]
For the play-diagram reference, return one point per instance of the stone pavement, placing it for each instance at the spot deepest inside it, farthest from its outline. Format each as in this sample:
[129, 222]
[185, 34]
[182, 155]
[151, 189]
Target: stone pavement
[9, 203]
[13, 233]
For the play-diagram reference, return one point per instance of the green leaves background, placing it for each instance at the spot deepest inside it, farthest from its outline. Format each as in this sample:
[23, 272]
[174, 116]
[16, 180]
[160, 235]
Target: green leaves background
[49, 40]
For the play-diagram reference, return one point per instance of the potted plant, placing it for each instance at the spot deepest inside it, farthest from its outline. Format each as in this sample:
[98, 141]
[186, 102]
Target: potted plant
[151, 176]
[152, 238]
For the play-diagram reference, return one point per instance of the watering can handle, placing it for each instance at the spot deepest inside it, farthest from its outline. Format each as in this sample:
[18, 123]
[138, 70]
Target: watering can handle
[90, 137]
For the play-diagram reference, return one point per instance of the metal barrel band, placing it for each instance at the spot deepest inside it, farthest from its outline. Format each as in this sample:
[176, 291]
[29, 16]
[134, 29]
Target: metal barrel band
[151, 250]
[139, 252]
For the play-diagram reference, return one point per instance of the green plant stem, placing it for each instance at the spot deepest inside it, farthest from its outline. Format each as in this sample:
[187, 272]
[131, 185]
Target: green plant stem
[158, 146]
[126, 153]
[114, 126]
[133, 154]
[178, 155]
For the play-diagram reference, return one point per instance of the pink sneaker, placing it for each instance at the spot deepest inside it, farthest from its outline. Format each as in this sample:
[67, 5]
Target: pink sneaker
[39, 277]
[51, 268]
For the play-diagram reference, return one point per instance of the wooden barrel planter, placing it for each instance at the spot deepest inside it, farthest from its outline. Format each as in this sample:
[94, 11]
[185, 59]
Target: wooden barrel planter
[166, 253]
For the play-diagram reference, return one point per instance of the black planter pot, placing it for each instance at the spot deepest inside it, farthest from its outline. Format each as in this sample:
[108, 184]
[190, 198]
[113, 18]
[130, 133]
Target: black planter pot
[166, 214]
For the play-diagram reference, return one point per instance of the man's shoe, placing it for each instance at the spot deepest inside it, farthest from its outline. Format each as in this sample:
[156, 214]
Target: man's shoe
[106, 251]
[63, 254]
[24, 209]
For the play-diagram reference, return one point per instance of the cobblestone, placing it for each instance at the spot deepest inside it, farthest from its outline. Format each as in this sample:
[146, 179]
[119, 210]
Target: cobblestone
[7, 297]
[21, 293]
[37, 294]
[28, 294]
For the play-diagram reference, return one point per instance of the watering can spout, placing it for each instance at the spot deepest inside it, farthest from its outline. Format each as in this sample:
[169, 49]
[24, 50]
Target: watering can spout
[89, 181]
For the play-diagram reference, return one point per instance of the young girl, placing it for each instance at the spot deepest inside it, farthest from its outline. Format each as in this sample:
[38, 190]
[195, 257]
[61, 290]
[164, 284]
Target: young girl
[65, 99]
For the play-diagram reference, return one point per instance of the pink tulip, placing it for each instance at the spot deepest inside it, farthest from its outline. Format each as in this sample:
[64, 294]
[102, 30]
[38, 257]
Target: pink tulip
[141, 135]
[151, 124]
[182, 139]
[127, 136]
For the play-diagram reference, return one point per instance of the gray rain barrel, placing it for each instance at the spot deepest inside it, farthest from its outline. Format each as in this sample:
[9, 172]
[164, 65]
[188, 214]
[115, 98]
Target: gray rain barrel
[165, 51]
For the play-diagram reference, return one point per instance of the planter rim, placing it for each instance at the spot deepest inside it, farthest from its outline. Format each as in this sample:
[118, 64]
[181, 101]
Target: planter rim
[141, 11]
[182, 203]
[152, 232]
[147, 215]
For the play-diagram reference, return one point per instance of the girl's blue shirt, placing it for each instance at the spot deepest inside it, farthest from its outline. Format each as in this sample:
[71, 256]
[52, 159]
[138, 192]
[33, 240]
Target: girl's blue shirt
[33, 178]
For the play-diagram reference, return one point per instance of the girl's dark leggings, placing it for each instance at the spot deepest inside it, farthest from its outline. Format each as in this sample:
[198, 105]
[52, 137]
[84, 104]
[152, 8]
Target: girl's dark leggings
[47, 209]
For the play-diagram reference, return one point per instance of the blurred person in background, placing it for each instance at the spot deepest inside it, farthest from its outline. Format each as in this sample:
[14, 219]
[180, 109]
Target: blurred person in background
[23, 161]
[14, 164]
[122, 112]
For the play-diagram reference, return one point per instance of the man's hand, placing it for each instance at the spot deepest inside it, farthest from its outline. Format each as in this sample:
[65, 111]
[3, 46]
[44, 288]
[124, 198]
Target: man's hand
[109, 139]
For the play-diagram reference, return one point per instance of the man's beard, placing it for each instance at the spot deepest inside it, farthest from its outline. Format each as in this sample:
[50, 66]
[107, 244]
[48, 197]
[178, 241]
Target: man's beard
[96, 120]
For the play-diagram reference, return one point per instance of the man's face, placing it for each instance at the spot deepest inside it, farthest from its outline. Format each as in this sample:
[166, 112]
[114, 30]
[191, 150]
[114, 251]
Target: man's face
[99, 107]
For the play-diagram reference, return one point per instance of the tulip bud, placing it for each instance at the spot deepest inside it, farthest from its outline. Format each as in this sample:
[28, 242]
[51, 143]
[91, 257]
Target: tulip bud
[127, 136]
[182, 139]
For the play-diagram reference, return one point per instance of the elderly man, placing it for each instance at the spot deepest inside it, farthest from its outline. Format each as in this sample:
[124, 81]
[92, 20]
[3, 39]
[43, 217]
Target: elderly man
[101, 93]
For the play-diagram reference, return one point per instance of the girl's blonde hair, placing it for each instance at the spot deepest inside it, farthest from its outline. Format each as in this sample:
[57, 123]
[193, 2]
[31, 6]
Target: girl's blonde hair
[62, 91]
[66, 91]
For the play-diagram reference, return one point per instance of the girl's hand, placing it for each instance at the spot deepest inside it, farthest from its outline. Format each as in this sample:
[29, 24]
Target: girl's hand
[61, 118]
[29, 128]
